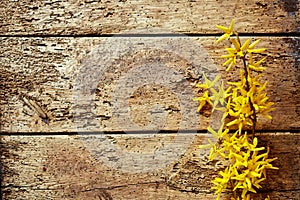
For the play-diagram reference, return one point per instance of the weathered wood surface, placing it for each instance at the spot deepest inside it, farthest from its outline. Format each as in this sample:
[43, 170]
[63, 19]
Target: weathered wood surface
[62, 167]
[43, 70]
[46, 70]
[76, 17]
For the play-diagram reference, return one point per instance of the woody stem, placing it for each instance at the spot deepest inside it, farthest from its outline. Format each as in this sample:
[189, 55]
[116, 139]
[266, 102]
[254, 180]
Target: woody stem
[253, 118]
[234, 192]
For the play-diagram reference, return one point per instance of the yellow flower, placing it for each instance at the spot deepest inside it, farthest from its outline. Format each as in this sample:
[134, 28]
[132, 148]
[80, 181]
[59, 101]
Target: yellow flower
[234, 52]
[203, 100]
[256, 66]
[220, 96]
[251, 49]
[225, 109]
[231, 58]
[227, 31]
[241, 110]
[261, 106]
[221, 183]
[214, 151]
[258, 98]
[207, 83]
[221, 133]
[252, 147]
[240, 50]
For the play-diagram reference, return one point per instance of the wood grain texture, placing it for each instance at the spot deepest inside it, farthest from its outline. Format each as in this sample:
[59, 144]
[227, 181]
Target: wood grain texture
[40, 67]
[76, 17]
[46, 70]
[64, 167]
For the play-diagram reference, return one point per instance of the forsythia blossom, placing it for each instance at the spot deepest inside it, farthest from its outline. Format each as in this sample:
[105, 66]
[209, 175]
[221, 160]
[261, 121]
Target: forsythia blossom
[227, 31]
[242, 102]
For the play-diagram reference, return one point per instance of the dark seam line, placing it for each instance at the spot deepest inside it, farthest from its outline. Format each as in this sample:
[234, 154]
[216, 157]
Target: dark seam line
[290, 34]
[130, 132]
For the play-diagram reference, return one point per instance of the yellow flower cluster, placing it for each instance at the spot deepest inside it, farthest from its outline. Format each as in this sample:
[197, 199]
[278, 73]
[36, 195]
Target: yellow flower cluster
[247, 168]
[246, 100]
[241, 103]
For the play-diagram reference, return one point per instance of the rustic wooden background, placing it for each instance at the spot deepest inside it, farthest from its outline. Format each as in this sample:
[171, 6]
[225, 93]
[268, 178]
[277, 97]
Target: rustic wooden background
[45, 43]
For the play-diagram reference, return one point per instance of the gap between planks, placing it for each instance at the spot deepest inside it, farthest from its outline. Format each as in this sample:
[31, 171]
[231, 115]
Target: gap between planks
[137, 132]
[280, 34]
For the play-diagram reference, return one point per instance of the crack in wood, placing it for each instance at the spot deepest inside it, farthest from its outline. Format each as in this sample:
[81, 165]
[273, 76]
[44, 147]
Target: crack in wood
[103, 35]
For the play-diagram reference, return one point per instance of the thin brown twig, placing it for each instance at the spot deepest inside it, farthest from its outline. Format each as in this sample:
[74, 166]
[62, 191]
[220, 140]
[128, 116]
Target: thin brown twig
[253, 118]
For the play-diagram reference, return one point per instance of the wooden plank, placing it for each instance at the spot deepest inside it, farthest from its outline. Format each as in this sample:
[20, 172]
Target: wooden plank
[64, 167]
[45, 71]
[75, 17]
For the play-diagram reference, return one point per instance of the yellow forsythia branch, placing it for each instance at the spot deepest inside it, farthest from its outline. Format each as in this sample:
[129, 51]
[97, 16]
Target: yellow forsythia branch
[241, 104]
